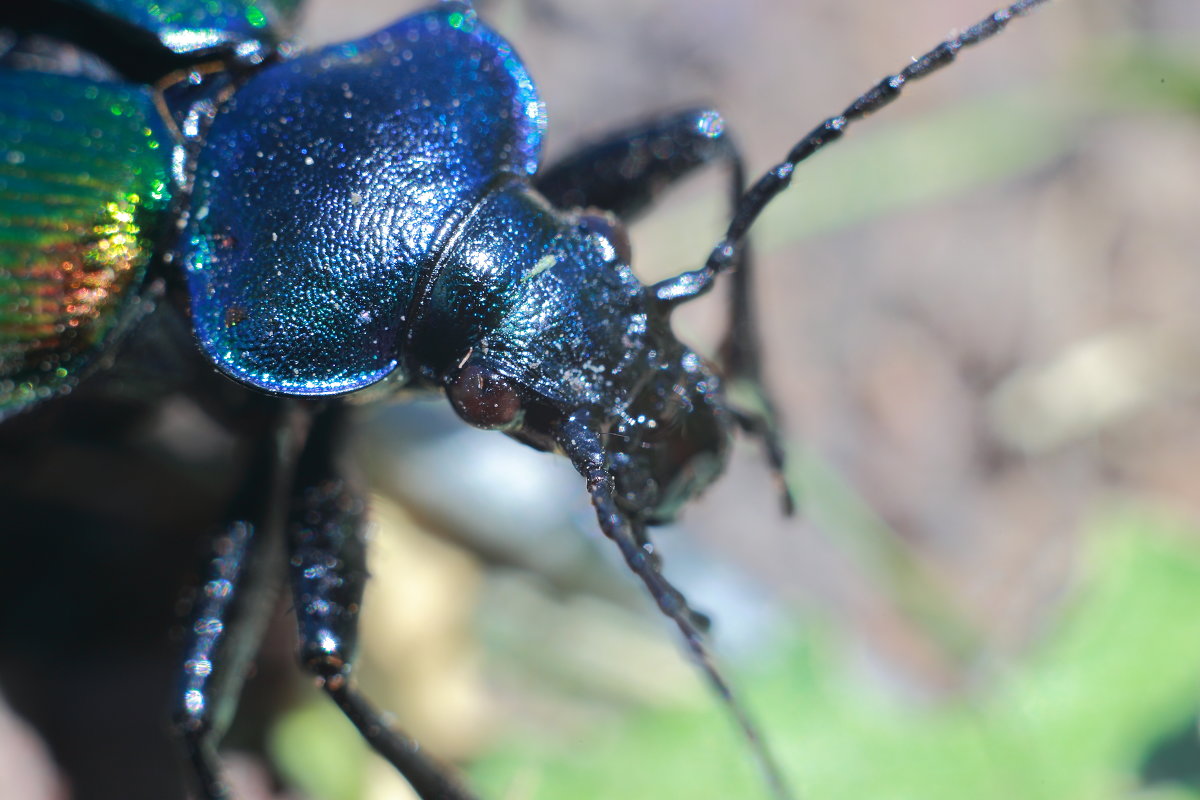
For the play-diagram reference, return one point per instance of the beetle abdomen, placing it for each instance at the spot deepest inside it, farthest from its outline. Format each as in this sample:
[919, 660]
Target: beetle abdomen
[83, 184]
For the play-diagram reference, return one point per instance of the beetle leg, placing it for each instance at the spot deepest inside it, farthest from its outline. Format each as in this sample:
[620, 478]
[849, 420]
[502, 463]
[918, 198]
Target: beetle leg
[741, 360]
[328, 573]
[628, 170]
[231, 609]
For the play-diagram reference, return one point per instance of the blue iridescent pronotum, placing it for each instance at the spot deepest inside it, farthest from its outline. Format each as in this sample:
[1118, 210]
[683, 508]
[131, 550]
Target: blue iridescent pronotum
[181, 190]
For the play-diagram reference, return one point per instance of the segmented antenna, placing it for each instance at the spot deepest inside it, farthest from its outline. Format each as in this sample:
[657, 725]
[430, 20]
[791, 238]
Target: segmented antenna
[583, 446]
[684, 287]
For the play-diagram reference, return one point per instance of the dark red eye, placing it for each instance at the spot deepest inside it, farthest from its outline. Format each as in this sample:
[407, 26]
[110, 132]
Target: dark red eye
[485, 398]
[612, 229]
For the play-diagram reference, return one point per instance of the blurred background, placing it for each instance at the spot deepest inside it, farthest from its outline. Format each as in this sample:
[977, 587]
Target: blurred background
[979, 320]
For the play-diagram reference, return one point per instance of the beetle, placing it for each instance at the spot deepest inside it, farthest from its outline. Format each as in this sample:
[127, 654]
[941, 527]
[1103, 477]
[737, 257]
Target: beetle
[182, 191]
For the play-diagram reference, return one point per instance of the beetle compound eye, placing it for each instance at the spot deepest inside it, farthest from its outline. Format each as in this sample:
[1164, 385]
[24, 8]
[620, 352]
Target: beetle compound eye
[485, 398]
[612, 229]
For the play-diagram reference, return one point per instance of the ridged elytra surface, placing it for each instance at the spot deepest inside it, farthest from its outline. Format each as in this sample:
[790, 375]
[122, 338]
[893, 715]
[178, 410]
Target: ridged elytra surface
[83, 187]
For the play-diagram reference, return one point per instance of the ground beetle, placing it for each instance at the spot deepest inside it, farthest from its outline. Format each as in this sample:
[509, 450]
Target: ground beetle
[179, 190]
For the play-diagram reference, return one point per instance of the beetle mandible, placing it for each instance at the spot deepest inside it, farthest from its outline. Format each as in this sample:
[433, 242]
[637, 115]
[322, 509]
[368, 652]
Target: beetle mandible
[360, 220]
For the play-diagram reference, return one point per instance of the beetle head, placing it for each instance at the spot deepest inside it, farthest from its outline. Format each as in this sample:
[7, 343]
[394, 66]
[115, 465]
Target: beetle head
[568, 332]
[580, 358]
[662, 445]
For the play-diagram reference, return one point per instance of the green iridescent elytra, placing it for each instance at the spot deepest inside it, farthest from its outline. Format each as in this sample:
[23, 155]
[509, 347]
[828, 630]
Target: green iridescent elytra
[85, 179]
[83, 187]
[186, 26]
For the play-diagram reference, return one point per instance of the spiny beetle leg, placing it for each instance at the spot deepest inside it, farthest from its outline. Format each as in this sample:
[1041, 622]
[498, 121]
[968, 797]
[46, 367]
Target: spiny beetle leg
[628, 170]
[328, 574]
[231, 608]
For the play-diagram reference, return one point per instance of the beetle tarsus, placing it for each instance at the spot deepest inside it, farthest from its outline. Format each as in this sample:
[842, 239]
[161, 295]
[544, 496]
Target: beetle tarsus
[763, 426]
[429, 780]
[206, 775]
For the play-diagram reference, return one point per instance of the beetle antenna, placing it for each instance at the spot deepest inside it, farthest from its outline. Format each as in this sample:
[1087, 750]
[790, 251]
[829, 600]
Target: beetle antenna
[724, 256]
[582, 446]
